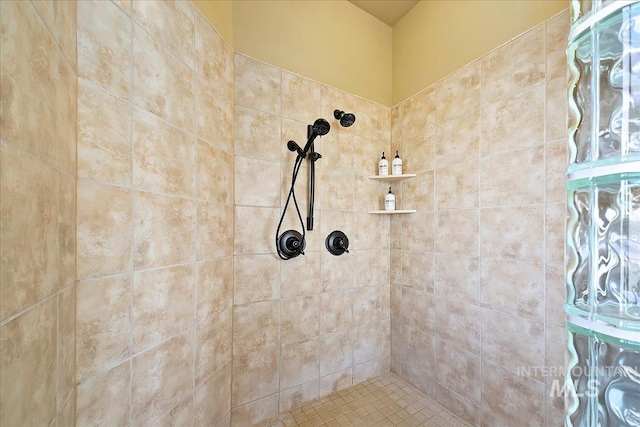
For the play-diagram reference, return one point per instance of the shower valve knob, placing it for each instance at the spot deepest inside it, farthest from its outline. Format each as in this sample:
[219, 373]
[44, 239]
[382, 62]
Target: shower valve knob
[291, 244]
[337, 243]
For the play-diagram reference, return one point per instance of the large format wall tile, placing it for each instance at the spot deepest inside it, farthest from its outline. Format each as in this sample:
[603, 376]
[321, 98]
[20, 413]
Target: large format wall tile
[419, 113]
[214, 57]
[104, 46]
[172, 23]
[215, 230]
[512, 233]
[257, 85]
[457, 232]
[212, 399]
[299, 363]
[500, 385]
[458, 324]
[162, 84]
[164, 230]
[458, 95]
[104, 135]
[459, 370]
[255, 326]
[299, 318]
[104, 229]
[257, 134]
[500, 343]
[498, 174]
[213, 345]
[514, 66]
[256, 278]
[513, 287]
[457, 277]
[29, 231]
[103, 324]
[30, 86]
[215, 174]
[257, 182]
[300, 98]
[171, 367]
[418, 349]
[104, 400]
[255, 375]
[214, 113]
[498, 132]
[163, 156]
[163, 304]
[460, 185]
[28, 363]
[214, 287]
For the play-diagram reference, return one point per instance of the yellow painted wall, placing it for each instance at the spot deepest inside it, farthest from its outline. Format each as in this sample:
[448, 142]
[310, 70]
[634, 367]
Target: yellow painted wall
[336, 43]
[438, 37]
[218, 13]
[333, 42]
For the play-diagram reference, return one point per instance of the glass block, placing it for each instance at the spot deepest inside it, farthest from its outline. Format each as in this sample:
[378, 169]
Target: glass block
[617, 227]
[582, 53]
[617, 383]
[577, 385]
[578, 230]
[603, 380]
[619, 84]
[610, 111]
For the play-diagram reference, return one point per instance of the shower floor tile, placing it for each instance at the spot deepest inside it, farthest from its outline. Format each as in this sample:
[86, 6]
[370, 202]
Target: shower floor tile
[384, 401]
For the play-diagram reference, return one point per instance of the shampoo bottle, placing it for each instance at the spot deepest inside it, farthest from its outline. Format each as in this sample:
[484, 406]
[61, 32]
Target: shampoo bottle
[390, 201]
[396, 165]
[383, 166]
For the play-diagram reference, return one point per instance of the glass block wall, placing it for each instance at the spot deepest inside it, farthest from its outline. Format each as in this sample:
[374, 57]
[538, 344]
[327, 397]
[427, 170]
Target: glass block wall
[603, 231]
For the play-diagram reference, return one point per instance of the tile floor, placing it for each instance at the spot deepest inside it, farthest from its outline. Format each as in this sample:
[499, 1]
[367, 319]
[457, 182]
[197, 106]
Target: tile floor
[382, 401]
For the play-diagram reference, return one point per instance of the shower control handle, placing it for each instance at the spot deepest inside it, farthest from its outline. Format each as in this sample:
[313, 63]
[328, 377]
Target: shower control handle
[337, 243]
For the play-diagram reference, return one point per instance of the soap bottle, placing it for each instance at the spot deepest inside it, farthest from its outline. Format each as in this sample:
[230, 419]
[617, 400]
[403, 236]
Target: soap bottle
[383, 166]
[396, 165]
[390, 201]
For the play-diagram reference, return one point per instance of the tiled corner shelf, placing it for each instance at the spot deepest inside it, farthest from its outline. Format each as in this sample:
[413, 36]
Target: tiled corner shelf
[393, 178]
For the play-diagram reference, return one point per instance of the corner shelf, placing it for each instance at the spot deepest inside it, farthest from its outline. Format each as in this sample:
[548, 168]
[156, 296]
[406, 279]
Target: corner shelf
[396, 212]
[393, 178]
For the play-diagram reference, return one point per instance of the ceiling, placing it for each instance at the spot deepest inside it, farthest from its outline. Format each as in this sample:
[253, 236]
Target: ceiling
[388, 11]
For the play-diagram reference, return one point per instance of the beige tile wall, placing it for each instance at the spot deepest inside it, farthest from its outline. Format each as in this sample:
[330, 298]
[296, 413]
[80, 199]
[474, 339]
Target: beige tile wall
[37, 213]
[306, 327]
[476, 277]
[182, 312]
[155, 216]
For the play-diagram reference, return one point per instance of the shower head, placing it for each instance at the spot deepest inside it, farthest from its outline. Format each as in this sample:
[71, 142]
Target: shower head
[321, 127]
[346, 119]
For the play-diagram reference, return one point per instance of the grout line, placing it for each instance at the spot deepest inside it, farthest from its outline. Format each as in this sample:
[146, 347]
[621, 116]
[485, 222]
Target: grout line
[27, 309]
[479, 252]
[196, 100]
[133, 215]
[57, 368]
[544, 226]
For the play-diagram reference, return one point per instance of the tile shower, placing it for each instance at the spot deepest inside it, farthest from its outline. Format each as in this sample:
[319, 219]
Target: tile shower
[153, 293]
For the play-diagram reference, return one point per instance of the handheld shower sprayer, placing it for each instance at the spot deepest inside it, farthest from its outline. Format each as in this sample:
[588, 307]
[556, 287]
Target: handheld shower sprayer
[320, 127]
[291, 243]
